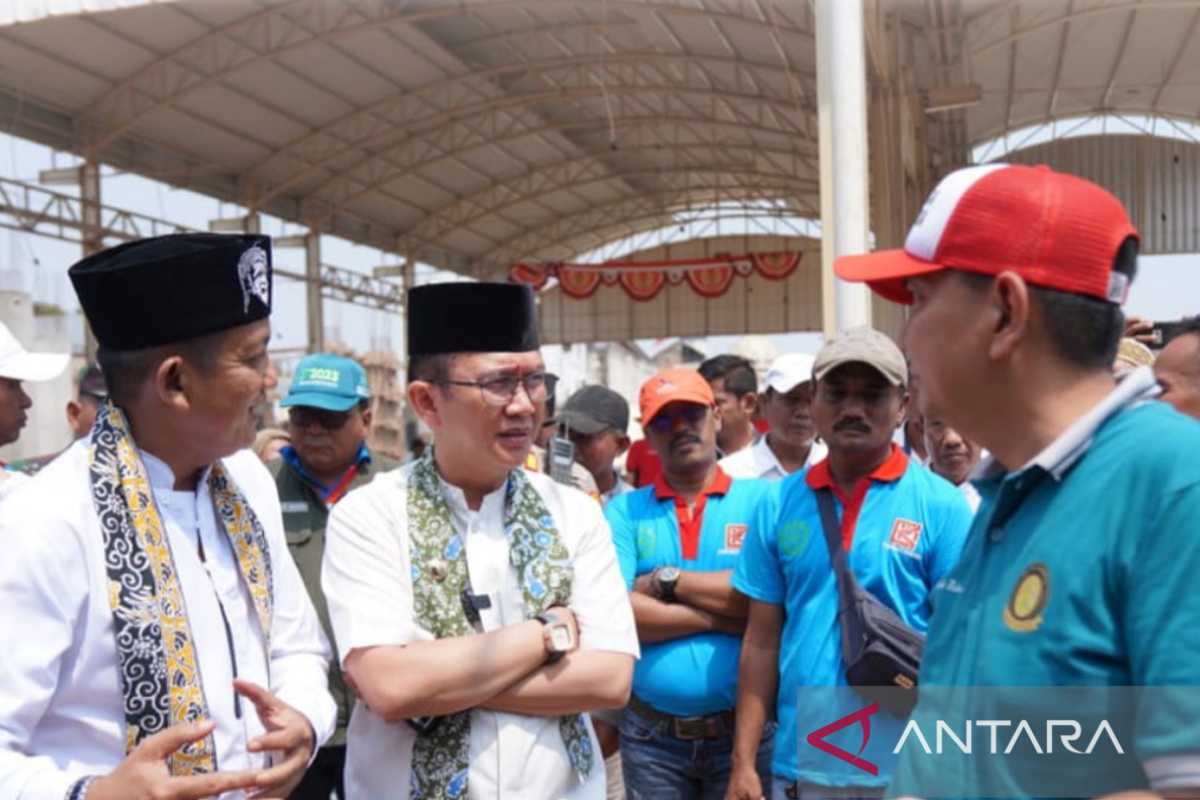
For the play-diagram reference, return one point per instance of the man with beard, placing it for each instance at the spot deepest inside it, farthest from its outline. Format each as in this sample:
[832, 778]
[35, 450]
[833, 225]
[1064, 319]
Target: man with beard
[790, 441]
[329, 419]
[952, 456]
[1082, 563]
[902, 529]
[158, 640]
[477, 605]
[678, 542]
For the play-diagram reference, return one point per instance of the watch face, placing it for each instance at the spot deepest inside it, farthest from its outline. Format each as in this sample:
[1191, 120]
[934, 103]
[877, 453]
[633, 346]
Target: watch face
[560, 638]
[668, 574]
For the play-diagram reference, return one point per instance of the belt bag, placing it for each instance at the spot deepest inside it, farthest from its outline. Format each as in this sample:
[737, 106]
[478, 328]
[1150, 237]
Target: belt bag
[878, 648]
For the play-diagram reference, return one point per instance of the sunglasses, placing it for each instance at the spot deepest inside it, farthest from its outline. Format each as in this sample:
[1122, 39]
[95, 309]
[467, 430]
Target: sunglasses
[691, 414]
[303, 417]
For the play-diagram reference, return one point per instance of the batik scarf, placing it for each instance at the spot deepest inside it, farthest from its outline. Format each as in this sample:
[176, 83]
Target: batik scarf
[160, 676]
[439, 577]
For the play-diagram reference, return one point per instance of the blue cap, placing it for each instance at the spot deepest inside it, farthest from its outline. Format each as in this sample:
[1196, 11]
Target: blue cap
[323, 380]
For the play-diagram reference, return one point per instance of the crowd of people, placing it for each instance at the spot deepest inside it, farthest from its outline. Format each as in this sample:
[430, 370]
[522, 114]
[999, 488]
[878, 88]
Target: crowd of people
[197, 608]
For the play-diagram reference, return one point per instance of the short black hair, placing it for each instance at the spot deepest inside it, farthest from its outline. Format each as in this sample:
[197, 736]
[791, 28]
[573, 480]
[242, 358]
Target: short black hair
[126, 371]
[1084, 331]
[737, 372]
[429, 368]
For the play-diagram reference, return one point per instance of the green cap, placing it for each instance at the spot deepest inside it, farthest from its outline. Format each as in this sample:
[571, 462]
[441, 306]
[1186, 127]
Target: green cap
[328, 381]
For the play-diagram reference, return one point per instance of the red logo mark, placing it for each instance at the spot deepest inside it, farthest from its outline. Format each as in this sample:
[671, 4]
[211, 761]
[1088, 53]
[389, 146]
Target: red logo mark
[734, 536]
[906, 534]
[863, 715]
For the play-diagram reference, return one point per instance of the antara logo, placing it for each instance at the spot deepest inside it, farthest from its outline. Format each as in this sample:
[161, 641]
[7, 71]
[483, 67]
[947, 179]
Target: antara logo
[863, 715]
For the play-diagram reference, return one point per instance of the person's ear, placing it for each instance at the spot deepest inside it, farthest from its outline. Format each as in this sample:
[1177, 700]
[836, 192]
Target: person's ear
[366, 418]
[903, 410]
[749, 402]
[422, 396]
[623, 443]
[1010, 309]
[173, 380]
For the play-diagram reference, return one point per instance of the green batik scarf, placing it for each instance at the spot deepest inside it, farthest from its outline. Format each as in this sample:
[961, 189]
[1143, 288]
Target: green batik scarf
[439, 576]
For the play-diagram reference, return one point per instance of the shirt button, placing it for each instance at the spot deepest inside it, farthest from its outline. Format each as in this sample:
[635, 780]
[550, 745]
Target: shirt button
[996, 534]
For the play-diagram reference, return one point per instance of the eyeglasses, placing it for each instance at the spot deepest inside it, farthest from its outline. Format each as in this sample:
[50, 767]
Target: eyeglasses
[499, 392]
[691, 414]
[304, 416]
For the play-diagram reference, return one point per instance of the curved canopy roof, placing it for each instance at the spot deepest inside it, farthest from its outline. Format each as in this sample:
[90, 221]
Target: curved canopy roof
[471, 134]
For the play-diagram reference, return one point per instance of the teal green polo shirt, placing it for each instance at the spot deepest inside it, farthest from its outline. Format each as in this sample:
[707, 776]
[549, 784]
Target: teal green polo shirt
[1080, 570]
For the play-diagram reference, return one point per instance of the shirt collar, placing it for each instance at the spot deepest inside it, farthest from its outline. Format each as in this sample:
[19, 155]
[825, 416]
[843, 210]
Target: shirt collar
[288, 454]
[719, 484]
[1060, 455]
[159, 474]
[892, 468]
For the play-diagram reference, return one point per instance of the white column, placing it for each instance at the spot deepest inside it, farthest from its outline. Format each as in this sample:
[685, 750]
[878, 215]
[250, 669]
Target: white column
[842, 135]
[312, 289]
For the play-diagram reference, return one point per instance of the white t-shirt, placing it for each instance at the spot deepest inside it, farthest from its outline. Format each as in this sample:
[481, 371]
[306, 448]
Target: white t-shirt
[759, 461]
[367, 582]
[61, 707]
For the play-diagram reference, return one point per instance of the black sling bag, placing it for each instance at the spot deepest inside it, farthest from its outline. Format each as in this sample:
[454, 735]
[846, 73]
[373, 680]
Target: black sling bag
[879, 649]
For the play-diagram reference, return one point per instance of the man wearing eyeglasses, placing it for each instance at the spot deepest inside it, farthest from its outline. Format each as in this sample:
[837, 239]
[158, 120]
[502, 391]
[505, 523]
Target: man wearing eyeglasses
[478, 606]
[329, 419]
[678, 541]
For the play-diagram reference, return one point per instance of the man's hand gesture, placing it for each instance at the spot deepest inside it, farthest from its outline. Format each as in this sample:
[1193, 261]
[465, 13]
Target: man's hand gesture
[144, 774]
[288, 733]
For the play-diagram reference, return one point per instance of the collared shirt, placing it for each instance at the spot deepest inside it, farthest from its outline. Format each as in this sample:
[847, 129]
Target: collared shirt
[1099, 531]
[60, 696]
[652, 527]
[759, 461]
[330, 494]
[305, 515]
[368, 584]
[10, 481]
[619, 488]
[903, 528]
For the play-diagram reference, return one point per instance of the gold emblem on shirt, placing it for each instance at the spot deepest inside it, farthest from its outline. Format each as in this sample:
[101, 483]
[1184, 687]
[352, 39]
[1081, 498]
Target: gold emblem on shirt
[1027, 603]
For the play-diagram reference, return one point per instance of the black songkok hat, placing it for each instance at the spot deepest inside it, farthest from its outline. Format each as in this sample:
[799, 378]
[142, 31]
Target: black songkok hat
[172, 288]
[471, 318]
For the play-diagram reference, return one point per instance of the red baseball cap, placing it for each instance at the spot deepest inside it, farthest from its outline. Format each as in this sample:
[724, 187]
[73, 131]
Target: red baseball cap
[1055, 230]
[670, 385]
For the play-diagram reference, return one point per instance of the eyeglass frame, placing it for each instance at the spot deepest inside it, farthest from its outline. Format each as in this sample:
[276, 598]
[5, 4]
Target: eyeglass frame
[548, 381]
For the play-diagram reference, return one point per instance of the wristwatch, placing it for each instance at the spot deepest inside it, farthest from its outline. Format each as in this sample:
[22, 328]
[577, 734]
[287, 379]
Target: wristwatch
[557, 636]
[665, 580]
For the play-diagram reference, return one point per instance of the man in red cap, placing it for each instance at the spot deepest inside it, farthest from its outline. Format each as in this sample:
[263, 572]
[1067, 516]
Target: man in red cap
[1080, 569]
[677, 543]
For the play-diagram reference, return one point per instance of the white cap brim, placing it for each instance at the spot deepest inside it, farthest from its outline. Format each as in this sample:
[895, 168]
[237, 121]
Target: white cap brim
[33, 366]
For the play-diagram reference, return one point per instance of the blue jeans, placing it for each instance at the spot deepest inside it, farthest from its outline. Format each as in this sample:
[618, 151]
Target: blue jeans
[659, 765]
[794, 790]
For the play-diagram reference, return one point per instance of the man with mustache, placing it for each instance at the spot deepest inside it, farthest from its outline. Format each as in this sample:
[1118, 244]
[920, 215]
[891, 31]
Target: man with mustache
[477, 605]
[329, 419]
[902, 529]
[18, 365]
[678, 542]
[158, 641]
[790, 441]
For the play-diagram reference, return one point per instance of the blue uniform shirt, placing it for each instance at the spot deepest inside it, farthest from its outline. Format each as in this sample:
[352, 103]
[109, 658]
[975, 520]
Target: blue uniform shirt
[693, 675]
[1080, 570]
[904, 527]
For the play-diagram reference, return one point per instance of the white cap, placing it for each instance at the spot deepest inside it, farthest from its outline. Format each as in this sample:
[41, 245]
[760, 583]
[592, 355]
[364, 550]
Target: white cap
[789, 371]
[18, 364]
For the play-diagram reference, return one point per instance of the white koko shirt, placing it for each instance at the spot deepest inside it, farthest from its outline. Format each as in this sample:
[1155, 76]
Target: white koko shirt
[367, 582]
[61, 714]
[758, 461]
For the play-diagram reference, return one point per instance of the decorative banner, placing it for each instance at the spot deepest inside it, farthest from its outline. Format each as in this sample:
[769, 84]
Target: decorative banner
[643, 280]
